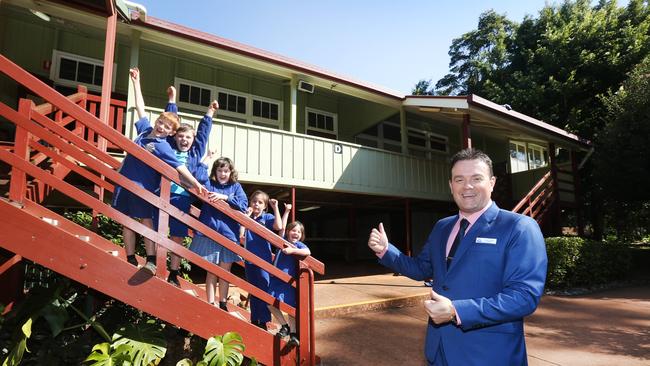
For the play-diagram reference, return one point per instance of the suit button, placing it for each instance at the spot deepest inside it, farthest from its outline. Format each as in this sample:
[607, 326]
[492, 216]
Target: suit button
[445, 288]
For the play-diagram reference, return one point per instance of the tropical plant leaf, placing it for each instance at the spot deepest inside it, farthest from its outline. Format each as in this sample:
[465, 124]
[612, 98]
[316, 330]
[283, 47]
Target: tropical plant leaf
[146, 341]
[185, 362]
[56, 316]
[224, 350]
[16, 355]
[102, 355]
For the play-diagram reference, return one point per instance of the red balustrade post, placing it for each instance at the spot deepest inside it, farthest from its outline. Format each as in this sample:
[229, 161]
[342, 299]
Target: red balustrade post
[304, 314]
[18, 185]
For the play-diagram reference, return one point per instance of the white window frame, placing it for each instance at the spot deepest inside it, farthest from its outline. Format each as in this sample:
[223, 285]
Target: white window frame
[335, 123]
[262, 120]
[382, 142]
[202, 108]
[519, 165]
[56, 68]
[427, 149]
[246, 116]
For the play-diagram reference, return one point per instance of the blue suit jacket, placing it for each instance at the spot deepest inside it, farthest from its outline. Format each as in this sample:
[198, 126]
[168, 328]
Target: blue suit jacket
[496, 278]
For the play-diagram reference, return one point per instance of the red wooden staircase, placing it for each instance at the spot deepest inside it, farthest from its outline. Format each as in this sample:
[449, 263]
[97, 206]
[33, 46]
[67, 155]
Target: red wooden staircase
[32, 231]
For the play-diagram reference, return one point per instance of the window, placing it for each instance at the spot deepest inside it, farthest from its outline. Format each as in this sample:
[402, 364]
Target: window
[525, 156]
[320, 123]
[193, 95]
[387, 135]
[71, 70]
[231, 102]
[266, 111]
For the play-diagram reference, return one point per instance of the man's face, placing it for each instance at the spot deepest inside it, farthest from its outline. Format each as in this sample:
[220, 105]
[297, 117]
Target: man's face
[471, 185]
[184, 140]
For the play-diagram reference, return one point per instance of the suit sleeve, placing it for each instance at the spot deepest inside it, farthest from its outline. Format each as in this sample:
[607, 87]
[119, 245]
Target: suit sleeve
[417, 268]
[237, 199]
[523, 278]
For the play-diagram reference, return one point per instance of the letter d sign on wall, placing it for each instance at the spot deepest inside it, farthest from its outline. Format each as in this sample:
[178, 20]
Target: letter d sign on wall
[338, 149]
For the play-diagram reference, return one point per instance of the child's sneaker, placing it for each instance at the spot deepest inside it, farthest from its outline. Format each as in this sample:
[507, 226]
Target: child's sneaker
[283, 332]
[150, 267]
[293, 340]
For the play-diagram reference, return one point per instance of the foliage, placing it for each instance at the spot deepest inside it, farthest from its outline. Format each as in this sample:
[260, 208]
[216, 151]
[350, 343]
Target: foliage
[144, 343]
[105, 355]
[16, 354]
[574, 261]
[224, 350]
[106, 227]
[627, 122]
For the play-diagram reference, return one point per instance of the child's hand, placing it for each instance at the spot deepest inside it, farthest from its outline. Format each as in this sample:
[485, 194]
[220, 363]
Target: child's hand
[288, 206]
[242, 239]
[201, 190]
[134, 73]
[214, 196]
[249, 211]
[273, 203]
[287, 250]
[214, 105]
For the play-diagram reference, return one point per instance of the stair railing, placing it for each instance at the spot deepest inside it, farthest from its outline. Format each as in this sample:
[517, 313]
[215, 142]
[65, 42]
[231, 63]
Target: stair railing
[103, 165]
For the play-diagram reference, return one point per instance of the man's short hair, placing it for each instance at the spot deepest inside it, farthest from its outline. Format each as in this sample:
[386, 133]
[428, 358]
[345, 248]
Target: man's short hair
[471, 154]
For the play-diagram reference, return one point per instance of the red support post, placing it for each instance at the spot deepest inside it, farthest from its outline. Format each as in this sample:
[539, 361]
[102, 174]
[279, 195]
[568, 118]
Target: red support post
[555, 200]
[303, 316]
[18, 185]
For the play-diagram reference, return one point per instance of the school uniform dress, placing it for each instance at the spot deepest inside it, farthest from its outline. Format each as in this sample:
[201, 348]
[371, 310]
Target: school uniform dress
[131, 204]
[254, 274]
[221, 223]
[179, 197]
[288, 264]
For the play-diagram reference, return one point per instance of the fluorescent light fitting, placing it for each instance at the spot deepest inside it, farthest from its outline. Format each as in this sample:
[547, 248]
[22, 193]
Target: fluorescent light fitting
[40, 14]
[308, 208]
[430, 109]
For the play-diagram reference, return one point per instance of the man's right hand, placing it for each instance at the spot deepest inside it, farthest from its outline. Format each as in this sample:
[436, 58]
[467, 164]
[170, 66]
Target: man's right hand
[378, 241]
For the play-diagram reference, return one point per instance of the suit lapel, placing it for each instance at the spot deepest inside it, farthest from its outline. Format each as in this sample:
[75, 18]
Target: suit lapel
[481, 225]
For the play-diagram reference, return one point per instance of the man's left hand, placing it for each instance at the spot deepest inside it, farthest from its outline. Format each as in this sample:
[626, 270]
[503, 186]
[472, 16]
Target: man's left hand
[439, 308]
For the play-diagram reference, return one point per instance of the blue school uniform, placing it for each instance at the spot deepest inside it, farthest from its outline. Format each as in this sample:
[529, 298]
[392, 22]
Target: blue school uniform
[141, 174]
[255, 275]
[220, 222]
[179, 197]
[288, 264]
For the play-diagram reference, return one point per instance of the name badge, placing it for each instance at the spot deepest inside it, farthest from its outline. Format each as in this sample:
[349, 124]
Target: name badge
[492, 241]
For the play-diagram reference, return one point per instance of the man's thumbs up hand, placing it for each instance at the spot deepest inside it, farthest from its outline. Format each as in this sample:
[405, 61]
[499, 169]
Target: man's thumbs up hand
[378, 241]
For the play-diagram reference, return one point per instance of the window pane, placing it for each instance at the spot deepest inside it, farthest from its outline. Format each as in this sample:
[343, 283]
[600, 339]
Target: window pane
[265, 109]
[205, 97]
[257, 108]
[274, 112]
[99, 74]
[223, 101]
[184, 93]
[241, 105]
[438, 144]
[232, 103]
[321, 121]
[68, 69]
[195, 95]
[392, 133]
[329, 123]
[417, 139]
[85, 73]
[311, 119]
[372, 131]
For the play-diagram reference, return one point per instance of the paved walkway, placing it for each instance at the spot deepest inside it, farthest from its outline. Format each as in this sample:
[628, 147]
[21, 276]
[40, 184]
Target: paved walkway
[354, 326]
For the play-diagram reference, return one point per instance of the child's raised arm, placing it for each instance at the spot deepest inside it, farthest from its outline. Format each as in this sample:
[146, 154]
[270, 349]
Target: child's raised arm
[277, 224]
[285, 218]
[134, 73]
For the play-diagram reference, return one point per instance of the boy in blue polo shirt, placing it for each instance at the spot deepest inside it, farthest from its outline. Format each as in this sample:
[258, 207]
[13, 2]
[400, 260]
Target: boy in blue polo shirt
[154, 140]
[190, 146]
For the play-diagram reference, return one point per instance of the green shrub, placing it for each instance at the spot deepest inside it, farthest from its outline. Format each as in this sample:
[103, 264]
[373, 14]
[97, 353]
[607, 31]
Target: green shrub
[574, 261]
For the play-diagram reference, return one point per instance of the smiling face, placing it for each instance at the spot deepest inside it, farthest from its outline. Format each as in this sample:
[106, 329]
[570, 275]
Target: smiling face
[184, 139]
[295, 234]
[471, 185]
[222, 174]
[164, 127]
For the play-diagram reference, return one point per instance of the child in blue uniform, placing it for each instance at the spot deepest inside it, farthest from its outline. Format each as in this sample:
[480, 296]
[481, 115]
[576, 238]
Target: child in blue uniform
[190, 146]
[259, 202]
[154, 140]
[223, 185]
[286, 262]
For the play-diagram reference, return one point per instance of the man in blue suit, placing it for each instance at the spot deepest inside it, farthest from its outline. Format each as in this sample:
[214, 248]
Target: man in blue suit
[488, 267]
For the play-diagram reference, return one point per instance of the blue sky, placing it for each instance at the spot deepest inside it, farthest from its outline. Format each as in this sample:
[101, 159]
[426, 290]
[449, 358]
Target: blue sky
[386, 42]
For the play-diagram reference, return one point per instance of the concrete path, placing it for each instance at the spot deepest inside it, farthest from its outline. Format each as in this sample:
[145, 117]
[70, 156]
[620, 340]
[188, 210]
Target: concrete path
[378, 320]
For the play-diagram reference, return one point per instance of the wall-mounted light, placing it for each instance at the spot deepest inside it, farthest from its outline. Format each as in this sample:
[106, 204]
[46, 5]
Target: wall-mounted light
[40, 14]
